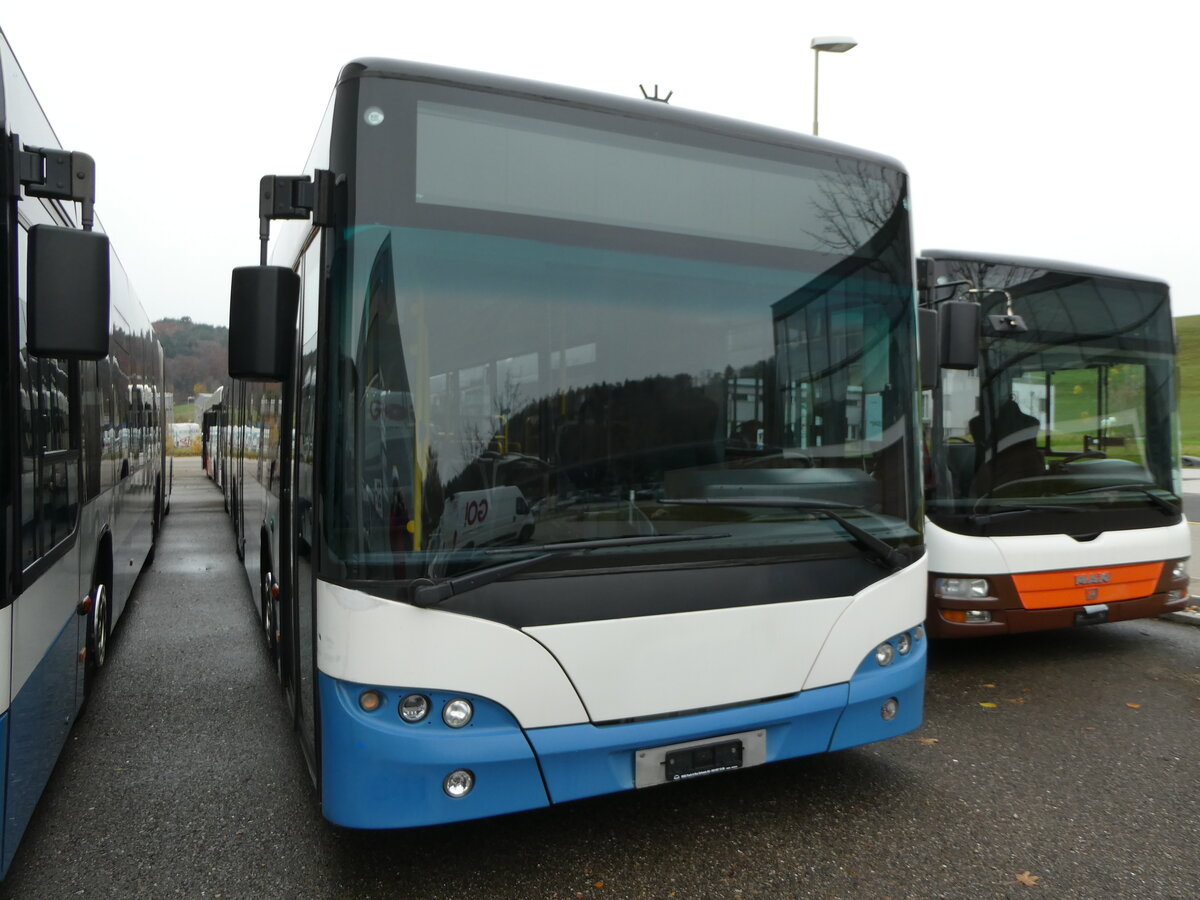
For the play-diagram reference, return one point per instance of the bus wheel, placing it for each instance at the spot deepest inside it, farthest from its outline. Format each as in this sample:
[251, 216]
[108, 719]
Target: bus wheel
[99, 624]
[268, 614]
[155, 522]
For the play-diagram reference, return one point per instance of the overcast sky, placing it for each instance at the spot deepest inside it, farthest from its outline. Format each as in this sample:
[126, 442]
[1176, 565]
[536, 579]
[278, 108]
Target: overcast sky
[1061, 129]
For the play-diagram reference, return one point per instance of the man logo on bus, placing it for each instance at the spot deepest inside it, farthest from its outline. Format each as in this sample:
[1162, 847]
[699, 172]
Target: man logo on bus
[1093, 578]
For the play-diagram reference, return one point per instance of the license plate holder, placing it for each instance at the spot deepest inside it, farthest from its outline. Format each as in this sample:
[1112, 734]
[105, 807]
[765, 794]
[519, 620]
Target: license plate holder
[1092, 615]
[696, 759]
[707, 759]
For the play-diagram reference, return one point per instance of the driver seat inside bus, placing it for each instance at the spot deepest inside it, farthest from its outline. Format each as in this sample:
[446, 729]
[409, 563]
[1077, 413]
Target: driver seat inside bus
[1012, 454]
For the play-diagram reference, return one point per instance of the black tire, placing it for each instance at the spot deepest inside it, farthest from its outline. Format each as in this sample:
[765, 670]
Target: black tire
[155, 524]
[98, 632]
[268, 616]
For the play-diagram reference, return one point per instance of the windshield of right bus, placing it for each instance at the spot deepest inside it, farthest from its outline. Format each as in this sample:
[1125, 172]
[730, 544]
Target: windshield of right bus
[1074, 412]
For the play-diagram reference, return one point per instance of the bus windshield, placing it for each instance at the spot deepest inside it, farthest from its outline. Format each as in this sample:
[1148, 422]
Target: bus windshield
[1072, 411]
[521, 360]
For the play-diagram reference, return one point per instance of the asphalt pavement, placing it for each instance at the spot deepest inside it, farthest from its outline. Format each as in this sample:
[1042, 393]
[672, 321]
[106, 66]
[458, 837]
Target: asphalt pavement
[1050, 765]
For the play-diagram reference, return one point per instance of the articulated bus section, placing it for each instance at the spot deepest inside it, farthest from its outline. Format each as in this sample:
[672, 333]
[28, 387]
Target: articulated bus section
[82, 458]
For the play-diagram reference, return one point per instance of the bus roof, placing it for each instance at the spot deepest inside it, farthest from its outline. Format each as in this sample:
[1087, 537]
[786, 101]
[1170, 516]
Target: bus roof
[1031, 262]
[372, 67]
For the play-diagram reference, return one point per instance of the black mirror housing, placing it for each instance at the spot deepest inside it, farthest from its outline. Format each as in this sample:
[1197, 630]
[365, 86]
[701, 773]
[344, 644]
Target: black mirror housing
[263, 302]
[958, 334]
[68, 304]
[927, 335]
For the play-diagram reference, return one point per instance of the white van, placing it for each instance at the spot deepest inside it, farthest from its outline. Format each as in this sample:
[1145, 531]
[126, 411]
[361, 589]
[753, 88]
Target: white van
[498, 515]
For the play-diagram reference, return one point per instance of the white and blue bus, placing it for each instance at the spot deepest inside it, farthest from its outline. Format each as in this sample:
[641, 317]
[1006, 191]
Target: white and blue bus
[1053, 485]
[82, 455]
[576, 446]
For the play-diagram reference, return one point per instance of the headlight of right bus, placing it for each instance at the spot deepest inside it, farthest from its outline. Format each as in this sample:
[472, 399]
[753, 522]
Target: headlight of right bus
[961, 588]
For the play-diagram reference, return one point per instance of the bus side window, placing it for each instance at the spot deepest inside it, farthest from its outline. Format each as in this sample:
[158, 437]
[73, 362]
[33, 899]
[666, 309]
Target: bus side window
[49, 446]
[29, 411]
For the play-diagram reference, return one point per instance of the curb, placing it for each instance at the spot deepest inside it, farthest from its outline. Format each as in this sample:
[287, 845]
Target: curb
[1190, 616]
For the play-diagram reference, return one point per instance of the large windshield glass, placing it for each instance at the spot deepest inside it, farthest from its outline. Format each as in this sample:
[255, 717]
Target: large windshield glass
[545, 343]
[1071, 411]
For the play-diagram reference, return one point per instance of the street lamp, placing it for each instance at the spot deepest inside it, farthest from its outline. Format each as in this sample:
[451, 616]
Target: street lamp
[829, 45]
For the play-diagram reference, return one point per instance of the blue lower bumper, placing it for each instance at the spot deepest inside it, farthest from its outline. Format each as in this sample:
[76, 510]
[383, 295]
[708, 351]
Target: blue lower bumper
[380, 772]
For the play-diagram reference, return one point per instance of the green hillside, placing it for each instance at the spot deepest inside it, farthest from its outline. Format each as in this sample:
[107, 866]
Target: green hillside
[1187, 330]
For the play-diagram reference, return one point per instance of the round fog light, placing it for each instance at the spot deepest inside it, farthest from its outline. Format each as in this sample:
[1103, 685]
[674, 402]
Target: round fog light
[891, 706]
[918, 632]
[904, 643]
[414, 707]
[457, 712]
[458, 783]
[885, 653]
[369, 701]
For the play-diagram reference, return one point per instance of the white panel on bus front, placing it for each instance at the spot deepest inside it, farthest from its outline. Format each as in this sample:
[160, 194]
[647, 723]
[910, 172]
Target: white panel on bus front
[654, 665]
[962, 554]
[374, 641]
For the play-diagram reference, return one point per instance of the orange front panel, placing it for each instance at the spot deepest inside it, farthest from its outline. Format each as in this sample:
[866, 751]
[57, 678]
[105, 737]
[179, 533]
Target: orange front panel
[1080, 587]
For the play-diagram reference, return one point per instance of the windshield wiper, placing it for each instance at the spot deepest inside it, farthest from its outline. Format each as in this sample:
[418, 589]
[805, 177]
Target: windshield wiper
[1165, 506]
[425, 592]
[1004, 512]
[881, 549]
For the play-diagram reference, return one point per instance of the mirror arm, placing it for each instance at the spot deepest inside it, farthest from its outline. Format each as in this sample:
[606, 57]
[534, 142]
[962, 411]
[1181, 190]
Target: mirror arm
[292, 197]
[59, 175]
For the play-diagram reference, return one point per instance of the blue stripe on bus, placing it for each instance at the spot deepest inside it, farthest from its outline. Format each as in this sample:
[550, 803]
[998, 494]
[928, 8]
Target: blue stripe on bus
[586, 760]
[871, 686]
[379, 772]
[3, 788]
[39, 719]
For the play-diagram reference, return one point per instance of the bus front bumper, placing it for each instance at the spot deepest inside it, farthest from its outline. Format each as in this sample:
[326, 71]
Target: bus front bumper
[378, 771]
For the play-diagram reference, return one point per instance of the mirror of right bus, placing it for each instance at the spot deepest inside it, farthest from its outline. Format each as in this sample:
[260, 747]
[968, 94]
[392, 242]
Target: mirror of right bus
[927, 334]
[68, 293]
[263, 301]
[958, 333]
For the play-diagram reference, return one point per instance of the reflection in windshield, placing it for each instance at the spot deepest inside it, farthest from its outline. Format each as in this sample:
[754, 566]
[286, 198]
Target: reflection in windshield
[1078, 407]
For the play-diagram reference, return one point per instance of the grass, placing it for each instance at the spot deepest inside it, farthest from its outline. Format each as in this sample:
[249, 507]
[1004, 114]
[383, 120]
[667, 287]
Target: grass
[1187, 331]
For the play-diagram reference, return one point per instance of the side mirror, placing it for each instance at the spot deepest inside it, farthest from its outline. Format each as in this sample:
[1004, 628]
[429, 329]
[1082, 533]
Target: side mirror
[68, 302]
[927, 339]
[263, 301]
[958, 334]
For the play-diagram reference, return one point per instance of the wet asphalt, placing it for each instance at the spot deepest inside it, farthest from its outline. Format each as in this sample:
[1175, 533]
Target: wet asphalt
[1069, 760]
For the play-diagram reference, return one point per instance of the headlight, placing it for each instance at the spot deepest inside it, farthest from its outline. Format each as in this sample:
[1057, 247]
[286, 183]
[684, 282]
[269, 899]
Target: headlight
[961, 588]
[1179, 570]
[457, 712]
[414, 707]
[885, 653]
[904, 643]
[458, 783]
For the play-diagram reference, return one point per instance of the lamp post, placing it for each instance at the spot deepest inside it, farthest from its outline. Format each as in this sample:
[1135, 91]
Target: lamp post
[828, 45]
